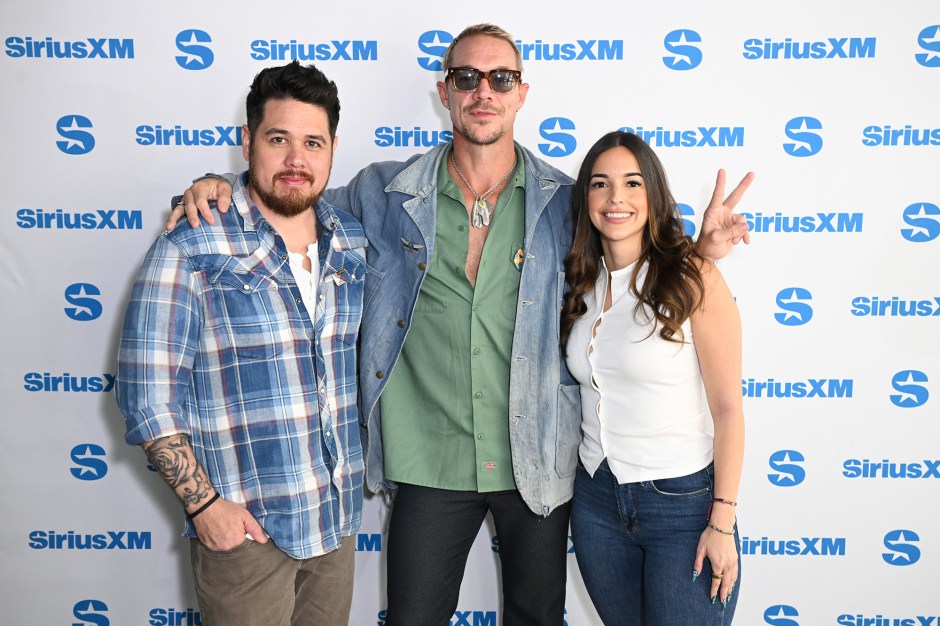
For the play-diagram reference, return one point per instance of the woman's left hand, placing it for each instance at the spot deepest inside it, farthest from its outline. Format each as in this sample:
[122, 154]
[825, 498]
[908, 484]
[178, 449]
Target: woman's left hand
[722, 555]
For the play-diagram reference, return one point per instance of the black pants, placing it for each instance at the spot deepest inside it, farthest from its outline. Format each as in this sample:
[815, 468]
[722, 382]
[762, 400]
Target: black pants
[429, 540]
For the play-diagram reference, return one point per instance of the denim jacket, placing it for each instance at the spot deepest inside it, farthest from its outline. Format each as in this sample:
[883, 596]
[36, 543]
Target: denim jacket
[396, 203]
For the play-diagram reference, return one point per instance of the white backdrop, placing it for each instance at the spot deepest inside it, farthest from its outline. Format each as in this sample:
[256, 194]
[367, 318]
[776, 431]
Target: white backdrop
[838, 291]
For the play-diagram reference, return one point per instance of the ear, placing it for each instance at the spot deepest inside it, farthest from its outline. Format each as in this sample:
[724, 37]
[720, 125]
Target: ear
[523, 91]
[246, 141]
[335, 144]
[442, 94]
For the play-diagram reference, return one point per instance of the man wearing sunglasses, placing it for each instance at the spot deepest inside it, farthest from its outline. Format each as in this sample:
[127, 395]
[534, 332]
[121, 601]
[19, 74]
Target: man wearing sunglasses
[468, 407]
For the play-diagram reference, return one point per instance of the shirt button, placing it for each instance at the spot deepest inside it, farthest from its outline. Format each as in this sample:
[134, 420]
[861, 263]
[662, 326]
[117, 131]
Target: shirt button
[461, 228]
[422, 266]
[475, 307]
[480, 436]
[476, 351]
[321, 296]
[246, 287]
[298, 300]
[326, 434]
[458, 270]
[283, 257]
[380, 374]
[322, 389]
[401, 323]
[478, 394]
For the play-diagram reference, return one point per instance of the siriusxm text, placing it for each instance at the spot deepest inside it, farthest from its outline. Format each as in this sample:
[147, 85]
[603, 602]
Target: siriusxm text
[178, 136]
[831, 48]
[818, 223]
[79, 220]
[865, 468]
[175, 617]
[804, 546]
[71, 540]
[864, 306]
[387, 136]
[701, 137]
[880, 620]
[810, 388]
[335, 50]
[46, 381]
[580, 50]
[90, 48]
[907, 136]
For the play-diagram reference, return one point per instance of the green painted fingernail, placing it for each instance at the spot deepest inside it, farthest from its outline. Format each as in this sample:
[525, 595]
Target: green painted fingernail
[694, 575]
[714, 598]
[724, 603]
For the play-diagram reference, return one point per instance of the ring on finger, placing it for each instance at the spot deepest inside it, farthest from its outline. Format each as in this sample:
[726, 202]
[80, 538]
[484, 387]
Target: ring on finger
[716, 576]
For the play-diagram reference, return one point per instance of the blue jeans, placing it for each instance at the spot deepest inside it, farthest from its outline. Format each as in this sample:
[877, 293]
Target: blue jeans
[635, 544]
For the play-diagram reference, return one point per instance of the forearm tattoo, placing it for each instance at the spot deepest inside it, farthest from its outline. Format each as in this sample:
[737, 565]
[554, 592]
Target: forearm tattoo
[174, 459]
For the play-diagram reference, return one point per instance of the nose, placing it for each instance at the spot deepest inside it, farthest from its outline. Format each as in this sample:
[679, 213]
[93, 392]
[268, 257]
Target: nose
[293, 154]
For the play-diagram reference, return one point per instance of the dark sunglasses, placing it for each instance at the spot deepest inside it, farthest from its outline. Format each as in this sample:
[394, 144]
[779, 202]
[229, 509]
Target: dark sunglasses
[468, 79]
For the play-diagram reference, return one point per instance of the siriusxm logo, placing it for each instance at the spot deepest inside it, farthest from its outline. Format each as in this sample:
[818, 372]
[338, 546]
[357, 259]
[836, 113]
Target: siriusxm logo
[865, 468]
[903, 550]
[908, 136]
[178, 136]
[579, 50]
[818, 223]
[90, 612]
[387, 136]
[929, 40]
[195, 55]
[794, 301]
[805, 142]
[861, 619]
[683, 54]
[559, 143]
[809, 388]
[460, 618]
[788, 469]
[910, 394]
[77, 220]
[369, 542]
[863, 306]
[335, 50]
[831, 48]
[804, 546]
[924, 220]
[687, 211]
[701, 137]
[433, 44]
[86, 307]
[175, 617]
[77, 139]
[87, 457]
[780, 614]
[34, 381]
[70, 540]
[49, 48]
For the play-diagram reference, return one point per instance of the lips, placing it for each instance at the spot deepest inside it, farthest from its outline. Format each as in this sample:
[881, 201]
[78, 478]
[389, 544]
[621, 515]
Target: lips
[618, 215]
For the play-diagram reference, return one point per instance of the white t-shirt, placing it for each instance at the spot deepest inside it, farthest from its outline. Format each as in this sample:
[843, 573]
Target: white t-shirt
[643, 404]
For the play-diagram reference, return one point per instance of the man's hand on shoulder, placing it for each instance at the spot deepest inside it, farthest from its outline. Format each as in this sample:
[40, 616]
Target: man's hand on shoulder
[195, 202]
[722, 228]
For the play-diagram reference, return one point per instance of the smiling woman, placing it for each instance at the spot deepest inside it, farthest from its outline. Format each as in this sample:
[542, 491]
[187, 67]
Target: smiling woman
[647, 322]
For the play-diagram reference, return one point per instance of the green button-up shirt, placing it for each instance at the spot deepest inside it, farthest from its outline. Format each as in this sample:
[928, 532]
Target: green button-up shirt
[445, 410]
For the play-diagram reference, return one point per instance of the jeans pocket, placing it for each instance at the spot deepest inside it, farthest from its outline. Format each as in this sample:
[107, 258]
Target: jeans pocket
[695, 484]
[244, 545]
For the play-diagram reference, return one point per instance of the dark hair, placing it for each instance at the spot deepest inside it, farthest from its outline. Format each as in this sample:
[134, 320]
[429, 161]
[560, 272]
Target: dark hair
[292, 82]
[673, 287]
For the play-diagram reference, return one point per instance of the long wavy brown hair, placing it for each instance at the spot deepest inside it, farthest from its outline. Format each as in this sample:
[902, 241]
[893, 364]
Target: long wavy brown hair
[673, 287]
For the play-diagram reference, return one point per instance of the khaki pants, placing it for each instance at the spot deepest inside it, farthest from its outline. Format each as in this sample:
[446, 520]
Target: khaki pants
[258, 585]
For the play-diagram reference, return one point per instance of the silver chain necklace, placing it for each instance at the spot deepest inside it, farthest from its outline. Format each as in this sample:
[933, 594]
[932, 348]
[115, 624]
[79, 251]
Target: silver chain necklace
[481, 211]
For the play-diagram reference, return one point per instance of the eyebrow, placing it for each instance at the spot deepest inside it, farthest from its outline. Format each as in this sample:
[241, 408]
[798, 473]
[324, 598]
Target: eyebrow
[281, 131]
[602, 175]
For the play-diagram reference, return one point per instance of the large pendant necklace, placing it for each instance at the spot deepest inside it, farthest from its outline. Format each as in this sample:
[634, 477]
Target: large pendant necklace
[481, 210]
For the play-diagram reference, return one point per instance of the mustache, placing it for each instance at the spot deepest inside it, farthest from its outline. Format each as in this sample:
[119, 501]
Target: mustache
[294, 174]
[482, 106]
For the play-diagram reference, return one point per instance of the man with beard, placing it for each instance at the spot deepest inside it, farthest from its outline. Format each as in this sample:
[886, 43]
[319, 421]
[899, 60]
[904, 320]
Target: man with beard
[467, 404]
[237, 371]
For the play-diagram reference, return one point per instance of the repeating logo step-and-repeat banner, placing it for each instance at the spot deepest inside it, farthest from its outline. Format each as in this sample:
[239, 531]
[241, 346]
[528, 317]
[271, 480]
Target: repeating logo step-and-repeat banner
[111, 108]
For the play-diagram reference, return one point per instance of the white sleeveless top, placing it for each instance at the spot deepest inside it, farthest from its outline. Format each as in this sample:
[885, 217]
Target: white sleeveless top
[643, 404]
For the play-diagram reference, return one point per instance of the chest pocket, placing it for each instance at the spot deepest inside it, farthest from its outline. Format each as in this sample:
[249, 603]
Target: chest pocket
[248, 315]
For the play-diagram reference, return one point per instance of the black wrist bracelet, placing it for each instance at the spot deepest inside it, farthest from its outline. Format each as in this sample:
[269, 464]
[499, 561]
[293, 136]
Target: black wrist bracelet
[205, 506]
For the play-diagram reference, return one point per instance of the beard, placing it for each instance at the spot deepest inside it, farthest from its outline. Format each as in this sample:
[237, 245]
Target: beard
[288, 203]
[470, 130]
